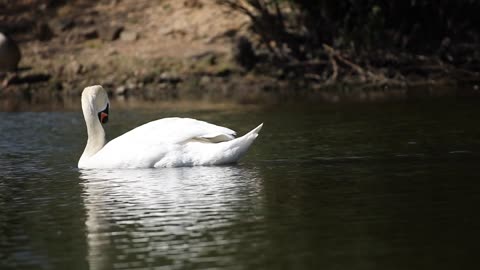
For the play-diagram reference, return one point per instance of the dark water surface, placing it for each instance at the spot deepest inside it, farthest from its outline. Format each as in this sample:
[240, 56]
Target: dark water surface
[369, 186]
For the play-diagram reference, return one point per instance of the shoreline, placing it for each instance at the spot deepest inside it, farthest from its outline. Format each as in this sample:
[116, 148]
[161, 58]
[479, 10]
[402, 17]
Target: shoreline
[30, 98]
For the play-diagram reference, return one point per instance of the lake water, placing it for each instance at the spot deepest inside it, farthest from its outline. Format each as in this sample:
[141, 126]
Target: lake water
[350, 186]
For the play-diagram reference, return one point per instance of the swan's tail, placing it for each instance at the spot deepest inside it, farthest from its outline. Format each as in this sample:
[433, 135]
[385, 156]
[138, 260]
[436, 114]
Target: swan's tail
[235, 149]
[255, 130]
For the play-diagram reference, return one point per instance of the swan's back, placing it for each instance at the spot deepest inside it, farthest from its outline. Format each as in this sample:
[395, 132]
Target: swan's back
[174, 130]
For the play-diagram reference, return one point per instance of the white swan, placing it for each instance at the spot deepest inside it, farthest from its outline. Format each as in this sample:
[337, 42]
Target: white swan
[168, 142]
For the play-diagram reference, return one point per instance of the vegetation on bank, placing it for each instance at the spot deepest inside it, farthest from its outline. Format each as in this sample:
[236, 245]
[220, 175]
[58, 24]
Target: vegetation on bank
[373, 40]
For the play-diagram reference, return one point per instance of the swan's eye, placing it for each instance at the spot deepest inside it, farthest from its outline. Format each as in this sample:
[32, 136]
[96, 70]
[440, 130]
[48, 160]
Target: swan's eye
[103, 115]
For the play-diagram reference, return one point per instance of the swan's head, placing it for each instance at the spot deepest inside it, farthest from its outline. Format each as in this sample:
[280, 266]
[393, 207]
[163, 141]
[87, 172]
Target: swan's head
[95, 100]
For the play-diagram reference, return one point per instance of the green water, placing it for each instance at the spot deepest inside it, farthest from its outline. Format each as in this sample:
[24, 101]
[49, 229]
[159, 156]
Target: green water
[366, 186]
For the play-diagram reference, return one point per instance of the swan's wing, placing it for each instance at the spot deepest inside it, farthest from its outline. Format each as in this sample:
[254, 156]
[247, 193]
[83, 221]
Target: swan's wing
[146, 144]
[177, 130]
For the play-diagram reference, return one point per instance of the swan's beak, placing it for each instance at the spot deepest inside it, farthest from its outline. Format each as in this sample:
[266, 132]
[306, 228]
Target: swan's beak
[103, 115]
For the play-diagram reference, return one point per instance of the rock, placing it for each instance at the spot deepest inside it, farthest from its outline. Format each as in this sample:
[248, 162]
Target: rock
[10, 54]
[110, 33]
[128, 36]
[243, 53]
[205, 80]
[167, 77]
[121, 90]
[131, 86]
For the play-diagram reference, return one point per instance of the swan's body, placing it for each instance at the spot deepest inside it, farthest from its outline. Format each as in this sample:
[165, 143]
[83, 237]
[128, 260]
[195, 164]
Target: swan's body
[168, 142]
[10, 54]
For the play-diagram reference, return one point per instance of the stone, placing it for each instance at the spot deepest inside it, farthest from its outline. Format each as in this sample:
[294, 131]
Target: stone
[10, 54]
[131, 86]
[167, 77]
[110, 33]
[128, 36]
[205, 80]
[121, 90]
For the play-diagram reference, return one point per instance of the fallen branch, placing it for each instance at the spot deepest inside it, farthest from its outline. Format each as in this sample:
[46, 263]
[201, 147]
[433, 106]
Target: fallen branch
[364, 74]
[357, 68]
[334, 64]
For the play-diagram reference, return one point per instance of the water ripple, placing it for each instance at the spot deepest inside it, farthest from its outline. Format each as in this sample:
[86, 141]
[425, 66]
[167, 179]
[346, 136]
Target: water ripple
[170, 214]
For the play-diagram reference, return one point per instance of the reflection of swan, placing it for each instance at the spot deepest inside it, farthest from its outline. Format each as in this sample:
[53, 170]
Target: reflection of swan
[167, 142]
[170, 214]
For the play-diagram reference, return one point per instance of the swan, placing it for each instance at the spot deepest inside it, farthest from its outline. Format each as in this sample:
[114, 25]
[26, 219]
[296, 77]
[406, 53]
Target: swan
[10, 54]
[167, 142]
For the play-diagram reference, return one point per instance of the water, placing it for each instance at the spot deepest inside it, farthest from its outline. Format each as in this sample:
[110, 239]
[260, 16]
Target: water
[366, 186]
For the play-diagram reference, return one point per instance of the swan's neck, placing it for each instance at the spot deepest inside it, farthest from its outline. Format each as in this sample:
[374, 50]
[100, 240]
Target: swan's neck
[96, 134]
